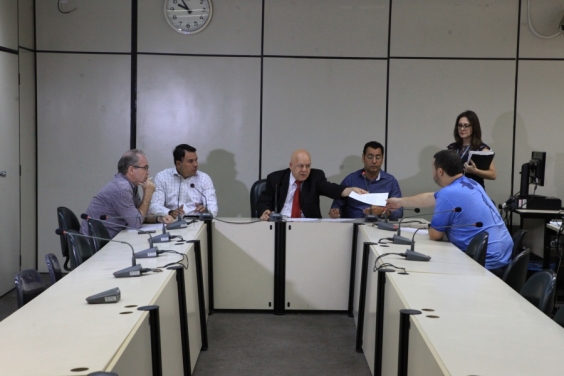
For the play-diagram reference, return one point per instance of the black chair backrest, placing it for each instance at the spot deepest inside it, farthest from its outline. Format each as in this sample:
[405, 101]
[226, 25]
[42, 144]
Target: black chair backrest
[81, 248]
[28, 285]
[54, 267]
[97, 229]
[67, 221]
[559, 317]
[518, 242]
[258, 187]
[516, 273]
[478, 247]
[540, 290]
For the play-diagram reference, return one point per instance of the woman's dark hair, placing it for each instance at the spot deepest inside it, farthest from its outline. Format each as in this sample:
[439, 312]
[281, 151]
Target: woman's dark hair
[476, 140]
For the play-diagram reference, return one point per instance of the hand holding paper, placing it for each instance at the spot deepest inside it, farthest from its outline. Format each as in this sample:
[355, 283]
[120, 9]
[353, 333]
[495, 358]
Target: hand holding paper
[377, 199]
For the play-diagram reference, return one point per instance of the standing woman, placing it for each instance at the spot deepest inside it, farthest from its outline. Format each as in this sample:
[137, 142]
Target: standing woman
[468, 137]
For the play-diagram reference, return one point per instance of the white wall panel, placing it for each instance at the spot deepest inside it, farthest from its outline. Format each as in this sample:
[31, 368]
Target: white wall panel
[9, 162]
[83, 129]
[326, 28]
[28, 155]
[26, 26]
[539, 122]
[460, 28]
[95, 26]
[211, 103]
[426, 96]
[329, 107]
[545, 18]
[235, 29]
[9, 24]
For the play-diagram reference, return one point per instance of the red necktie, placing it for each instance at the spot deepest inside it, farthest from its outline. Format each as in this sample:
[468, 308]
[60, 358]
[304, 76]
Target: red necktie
[296, 209]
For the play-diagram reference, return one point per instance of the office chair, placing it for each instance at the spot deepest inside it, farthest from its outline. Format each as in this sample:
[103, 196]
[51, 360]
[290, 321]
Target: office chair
[518, 242]
[516, 273]
[559, 317]
[81, 248]
[67, 221]
[258, 187]
[28, 285]
[478, 247]
[97, 229]
[54, 267]
[540, 290]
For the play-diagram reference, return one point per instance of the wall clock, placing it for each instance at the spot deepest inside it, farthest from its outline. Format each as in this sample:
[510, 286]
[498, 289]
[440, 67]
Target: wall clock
[188, 16]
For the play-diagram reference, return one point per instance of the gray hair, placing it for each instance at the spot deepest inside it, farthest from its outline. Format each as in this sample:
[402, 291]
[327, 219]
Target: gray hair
[130, 158]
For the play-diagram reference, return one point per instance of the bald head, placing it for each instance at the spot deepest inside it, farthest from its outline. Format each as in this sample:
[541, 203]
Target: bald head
[300, 164]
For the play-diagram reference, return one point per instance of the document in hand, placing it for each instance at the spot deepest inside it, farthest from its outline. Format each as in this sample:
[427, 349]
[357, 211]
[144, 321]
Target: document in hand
[377, 199]
[482, 159]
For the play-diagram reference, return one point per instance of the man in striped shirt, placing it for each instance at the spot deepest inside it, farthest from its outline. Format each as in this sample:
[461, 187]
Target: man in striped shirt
[183, 189]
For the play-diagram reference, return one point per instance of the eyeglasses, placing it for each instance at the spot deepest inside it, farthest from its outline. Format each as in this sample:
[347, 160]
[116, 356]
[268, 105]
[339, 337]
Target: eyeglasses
[465, 126]
[146, 168]
[371, 157]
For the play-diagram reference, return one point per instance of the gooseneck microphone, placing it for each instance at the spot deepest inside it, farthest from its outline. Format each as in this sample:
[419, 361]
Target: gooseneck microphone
[135, 270]
[476, 224]
[410, 254]
[163, 238]
[398, 239]
[206, 214]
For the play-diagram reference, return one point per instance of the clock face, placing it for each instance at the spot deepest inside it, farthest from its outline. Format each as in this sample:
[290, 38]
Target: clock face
[188, 16]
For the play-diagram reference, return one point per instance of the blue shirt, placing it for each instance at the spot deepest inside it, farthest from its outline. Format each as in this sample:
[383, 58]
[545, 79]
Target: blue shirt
[476, 206]
[384, 183]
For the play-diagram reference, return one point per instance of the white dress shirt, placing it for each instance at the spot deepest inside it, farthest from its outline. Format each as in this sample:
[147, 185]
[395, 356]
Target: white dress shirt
[172, 190]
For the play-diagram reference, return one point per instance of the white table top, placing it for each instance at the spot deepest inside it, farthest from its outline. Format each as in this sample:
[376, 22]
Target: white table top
[58, 331]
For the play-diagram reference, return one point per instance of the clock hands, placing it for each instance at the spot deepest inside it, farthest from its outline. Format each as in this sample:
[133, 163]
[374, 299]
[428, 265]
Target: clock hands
[185, 7]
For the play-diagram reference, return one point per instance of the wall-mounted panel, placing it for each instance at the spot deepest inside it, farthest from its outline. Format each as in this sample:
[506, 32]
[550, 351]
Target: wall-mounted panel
[462, 28]
[357, 28]
[26, 24]
[426, 96]
[9, 166]
[93, 26]
[329, 107]
[211, 103]
[235, 29]
[28, 158]
[83, 104]
[540, 117]
[545, 17]
[9, 24]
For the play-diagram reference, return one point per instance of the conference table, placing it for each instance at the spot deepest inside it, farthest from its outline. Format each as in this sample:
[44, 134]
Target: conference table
[58, 333]
[471, 323]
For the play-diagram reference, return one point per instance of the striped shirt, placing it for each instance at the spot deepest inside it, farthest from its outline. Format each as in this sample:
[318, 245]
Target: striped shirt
[118, 200]
[173, 190]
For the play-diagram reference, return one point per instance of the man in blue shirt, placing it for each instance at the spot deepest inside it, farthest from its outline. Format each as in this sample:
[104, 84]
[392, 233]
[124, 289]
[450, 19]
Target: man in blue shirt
[459, 191]
[371, 178]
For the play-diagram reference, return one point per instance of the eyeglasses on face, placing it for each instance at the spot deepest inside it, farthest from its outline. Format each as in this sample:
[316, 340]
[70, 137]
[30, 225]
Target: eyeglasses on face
[146, 168]
[465, 126]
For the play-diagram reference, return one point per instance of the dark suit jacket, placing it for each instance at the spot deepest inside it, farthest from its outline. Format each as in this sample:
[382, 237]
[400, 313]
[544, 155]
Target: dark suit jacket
[315, 185]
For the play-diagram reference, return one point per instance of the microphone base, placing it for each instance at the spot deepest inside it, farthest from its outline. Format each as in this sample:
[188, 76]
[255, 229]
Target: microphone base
[401, 240]
[387, 226]
[176, 225]
[148, 253]
[105, 297]
[162, 238]
[416, 256]
[205, 217]
[275, 217]
[370, 218]
[132, 271]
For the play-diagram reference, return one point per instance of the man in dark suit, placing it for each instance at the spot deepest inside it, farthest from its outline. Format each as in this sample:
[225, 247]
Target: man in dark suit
[299, 188]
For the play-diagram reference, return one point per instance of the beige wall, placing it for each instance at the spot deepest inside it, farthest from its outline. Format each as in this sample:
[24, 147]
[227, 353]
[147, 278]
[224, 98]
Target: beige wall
[322, 75]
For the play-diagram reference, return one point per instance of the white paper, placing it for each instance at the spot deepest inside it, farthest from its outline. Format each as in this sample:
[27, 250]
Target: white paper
[377, 199]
